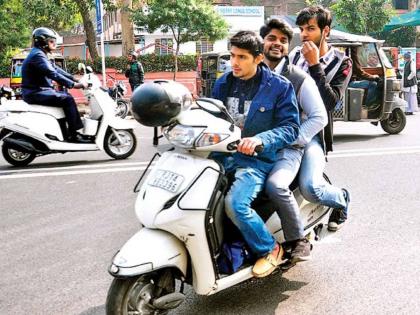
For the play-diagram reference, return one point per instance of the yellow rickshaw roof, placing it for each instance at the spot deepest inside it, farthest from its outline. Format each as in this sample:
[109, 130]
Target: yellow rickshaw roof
[24, 53]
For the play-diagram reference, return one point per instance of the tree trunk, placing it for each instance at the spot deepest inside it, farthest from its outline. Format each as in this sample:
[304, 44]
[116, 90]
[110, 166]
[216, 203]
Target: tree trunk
[88, 26]
[127, 31]
[176, 63]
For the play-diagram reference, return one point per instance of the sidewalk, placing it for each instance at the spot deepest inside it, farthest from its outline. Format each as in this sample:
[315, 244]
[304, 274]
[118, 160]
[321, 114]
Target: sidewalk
[186, 78]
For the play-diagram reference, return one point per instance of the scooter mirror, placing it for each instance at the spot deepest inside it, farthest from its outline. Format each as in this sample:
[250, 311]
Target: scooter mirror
[214, 106]
[89, 69]
[81, 67]
[210, 105]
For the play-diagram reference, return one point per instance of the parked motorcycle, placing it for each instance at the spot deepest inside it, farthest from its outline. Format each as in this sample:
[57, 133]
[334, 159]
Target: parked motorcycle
[180, 206]
[29, 131]
[6, 93]
[117, 92]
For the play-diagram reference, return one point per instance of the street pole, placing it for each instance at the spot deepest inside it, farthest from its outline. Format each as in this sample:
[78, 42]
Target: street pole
[99, 30]
[103, 59]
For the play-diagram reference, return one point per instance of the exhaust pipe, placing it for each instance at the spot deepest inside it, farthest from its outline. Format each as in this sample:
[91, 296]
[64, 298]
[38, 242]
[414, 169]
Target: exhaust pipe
[21, 145]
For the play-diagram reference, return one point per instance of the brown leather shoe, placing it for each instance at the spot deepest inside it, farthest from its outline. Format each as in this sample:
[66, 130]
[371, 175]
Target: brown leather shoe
[267, 264]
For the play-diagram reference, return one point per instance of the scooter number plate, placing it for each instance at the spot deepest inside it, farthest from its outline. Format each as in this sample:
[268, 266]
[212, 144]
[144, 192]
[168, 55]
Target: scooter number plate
[167, 180]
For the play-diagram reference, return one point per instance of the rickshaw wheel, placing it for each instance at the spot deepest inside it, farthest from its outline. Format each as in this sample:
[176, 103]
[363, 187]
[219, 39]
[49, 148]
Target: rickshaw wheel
[395, 122]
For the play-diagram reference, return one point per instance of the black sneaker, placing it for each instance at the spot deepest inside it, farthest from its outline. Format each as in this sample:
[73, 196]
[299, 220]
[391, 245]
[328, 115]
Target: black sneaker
[339, 216]
[301, 251]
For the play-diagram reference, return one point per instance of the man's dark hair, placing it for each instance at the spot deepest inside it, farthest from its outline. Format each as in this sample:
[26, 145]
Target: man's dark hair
[279, 25]
[323, 16]
[248, 40]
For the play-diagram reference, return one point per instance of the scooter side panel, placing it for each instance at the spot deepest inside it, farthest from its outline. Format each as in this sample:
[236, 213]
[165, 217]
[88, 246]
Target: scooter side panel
[33, 124]
[311, 214]
[149, 250]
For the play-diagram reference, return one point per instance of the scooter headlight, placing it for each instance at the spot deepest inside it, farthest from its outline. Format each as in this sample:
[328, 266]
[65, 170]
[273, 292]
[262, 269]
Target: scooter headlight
[183, 136]
[207, 139]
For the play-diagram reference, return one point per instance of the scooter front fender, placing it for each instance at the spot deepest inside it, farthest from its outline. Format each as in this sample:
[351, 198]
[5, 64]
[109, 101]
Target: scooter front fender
[149, 250]
[119, 123]
[115, 123]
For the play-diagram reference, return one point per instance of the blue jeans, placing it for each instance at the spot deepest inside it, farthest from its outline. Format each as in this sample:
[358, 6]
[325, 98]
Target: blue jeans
[311, 181]
[372, 90]
[248, 183]
[277, 189]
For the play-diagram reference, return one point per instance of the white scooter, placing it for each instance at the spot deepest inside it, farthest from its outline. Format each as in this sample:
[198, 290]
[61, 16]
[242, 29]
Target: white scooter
[181, 208]
[29, 131]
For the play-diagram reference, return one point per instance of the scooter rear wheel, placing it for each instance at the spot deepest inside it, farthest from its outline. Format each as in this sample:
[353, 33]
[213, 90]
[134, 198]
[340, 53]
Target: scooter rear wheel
[15, 157]
[121, 147]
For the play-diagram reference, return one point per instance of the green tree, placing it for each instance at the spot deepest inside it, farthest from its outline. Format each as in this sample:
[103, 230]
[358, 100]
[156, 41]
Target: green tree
[187, 20]
[403, 36]
[59, 15]
[363, 16]
[14, 28]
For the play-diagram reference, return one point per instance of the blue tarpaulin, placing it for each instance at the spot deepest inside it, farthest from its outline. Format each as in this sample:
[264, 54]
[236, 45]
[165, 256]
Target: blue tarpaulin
[408, 19]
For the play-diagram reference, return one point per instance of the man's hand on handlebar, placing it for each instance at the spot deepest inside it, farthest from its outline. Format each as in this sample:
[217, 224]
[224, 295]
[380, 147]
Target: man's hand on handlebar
[80, 85]
[248, 145]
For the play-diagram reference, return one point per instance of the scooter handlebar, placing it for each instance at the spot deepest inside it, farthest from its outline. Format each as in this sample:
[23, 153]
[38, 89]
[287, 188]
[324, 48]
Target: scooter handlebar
[234, 146]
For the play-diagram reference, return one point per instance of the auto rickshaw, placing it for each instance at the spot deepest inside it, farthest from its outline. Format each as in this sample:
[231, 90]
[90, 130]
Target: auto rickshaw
[211, 66]
[389, 107]
[16, 68]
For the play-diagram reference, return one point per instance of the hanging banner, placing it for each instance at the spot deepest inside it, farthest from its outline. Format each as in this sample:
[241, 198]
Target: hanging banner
[98, 5]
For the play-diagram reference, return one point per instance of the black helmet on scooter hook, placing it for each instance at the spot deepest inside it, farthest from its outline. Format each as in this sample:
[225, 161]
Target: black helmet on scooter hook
[158, 103]
[42, 35]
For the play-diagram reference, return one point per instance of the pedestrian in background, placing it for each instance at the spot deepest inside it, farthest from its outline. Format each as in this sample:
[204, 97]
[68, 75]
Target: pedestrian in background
[410, 84]
[134, 72]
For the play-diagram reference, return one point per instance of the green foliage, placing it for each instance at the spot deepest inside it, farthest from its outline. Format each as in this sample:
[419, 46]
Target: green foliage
[402, 36]
[57, 14]
[14, 29]
[187, 20]
[363, 16]
[324, 3]
[150, 62]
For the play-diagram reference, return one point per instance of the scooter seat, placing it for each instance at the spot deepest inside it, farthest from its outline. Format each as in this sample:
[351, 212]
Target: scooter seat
[22, 106]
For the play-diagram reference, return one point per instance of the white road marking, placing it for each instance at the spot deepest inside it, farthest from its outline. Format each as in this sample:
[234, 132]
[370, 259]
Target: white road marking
[138, 166]
[98, 171]
[73, 167]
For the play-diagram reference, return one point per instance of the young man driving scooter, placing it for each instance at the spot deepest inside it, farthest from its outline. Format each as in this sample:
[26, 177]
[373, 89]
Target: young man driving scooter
[264, 106]
[331, 70]
[37, 76]
[277, 36]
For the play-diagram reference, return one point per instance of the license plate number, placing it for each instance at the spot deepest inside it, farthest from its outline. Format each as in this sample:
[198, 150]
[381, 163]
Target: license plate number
[167, 180]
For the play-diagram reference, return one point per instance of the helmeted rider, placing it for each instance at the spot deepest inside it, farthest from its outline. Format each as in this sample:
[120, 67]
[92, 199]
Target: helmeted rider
[37, 75]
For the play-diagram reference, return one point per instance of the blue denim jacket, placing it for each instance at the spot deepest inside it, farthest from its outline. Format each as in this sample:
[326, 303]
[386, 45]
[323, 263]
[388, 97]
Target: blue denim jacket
[273, 117]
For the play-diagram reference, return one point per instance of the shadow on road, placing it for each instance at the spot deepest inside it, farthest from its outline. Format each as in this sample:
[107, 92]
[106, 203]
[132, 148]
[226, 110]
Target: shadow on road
[57, 164]
[256, 296]
[97, 310]
[345, 138]
[253, 297]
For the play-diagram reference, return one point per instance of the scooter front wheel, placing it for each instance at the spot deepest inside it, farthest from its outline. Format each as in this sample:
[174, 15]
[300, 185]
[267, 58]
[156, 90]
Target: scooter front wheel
[119, 144]
[146, 294]
[16, 157]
